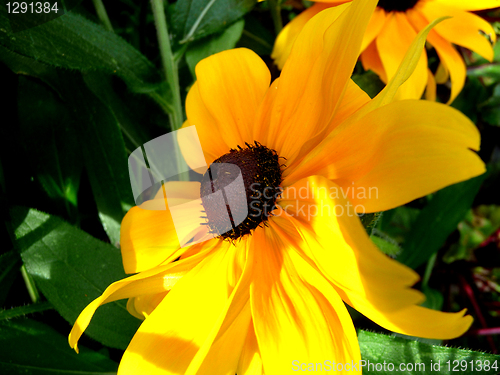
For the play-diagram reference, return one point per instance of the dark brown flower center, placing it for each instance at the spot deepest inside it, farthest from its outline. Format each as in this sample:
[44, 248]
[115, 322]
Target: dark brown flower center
[397, 5]
[239, 190]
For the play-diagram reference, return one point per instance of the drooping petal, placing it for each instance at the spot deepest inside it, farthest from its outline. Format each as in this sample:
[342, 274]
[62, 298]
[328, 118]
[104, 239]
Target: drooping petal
[397, 153]
[423, 322]
[463, 28]
[287, 36]
[374, 284]
[450, 58]
[316, 73]
[392, 44]
[470, 4]
[148, 235]
[297, 315]
[363, 276]
[191, 313]
[231, 85]
[150, 282]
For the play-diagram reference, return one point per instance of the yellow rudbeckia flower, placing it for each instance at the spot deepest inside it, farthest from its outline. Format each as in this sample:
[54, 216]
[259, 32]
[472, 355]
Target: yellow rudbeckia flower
[393, 26]
[256, 303]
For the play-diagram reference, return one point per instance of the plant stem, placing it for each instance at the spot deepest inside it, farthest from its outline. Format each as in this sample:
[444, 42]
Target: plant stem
[30, 285]
[168, 61]
[171, 74]
[428, 269]
[275, 8]
[25, 310]
[102, 14]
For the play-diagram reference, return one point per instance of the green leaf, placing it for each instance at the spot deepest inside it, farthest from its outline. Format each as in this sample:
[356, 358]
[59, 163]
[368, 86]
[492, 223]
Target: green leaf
[72, 268]
[50, 139]
[194, 19]
[437, 220]
[33, 348]
[256, 37]
[73, 42]
[384, 354]
[198, 50]
[386, 245]
[104, 154]
[470, 97]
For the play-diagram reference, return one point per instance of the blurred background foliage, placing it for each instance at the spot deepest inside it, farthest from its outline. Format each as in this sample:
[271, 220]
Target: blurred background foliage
[84, 90]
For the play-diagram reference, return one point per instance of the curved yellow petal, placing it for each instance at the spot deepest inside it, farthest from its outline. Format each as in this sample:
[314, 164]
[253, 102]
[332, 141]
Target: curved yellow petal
[423, 322]
[470, 4]
[397, 153]
[450, 58]
[148, 235]
[231, 85]
[316, 73]
[297, 314]
[393, 43]
[151, 282]
[287, 36]
[374, 284]
[191, 313]
[463, 28]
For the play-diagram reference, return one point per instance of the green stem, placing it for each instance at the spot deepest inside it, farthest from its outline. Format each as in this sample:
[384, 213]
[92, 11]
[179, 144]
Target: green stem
[169, 64]
[30, 285]
[428, 269]
[170, 67]
[103, 15]
[275, 8]
[25, 310]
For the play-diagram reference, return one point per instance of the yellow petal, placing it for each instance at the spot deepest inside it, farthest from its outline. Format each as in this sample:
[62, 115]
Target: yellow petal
[331, 235]
[374, 284]
[353, 99]
[450, 58]
[287, 36]
[142, 306]
[423, 322]
[471, 4]
[250, 359]
[392, 44]
[430, 91]
[316, 73]
[463, 28]
[151, 282]
[375, 25]
[148, 235]
[370, 58]
[191, 314]
[398, 153]
[297, 314]
[231, 86]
